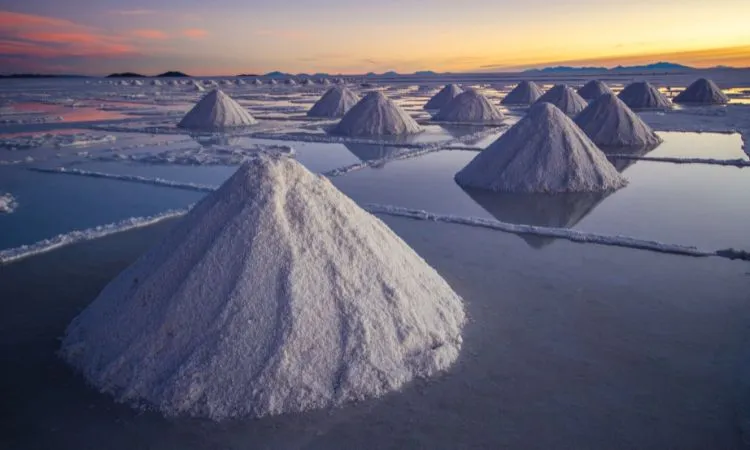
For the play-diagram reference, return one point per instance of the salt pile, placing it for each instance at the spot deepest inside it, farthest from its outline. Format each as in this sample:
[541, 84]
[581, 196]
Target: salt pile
[376, 115]
[642, 95]
[197, 87]
[155, 83]
[593, 90]
[290, 82]
[334, 103]
[325, 81]
[272, 81]
[257, 82]
[239, 82]
[702, 92]
[7, 203]
[275, 294]
[216, 111]
[307, 82]
[470, 107]
[610, 123]
[566, 99]
[525, 93]
[442, 98]
[545, 152]
[137, 83]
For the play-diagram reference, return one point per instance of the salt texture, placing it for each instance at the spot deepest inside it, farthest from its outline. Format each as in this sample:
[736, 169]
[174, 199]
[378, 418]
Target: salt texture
[593, 90]
[643, 95]
[275, 294]
[565, 98]
[470, 107]
[525, 93]
[610, 123]
[7, 203]
[216, 111]
[543, 152]
[702, 92]
[376, 115]
[334, 103]
[442, 98]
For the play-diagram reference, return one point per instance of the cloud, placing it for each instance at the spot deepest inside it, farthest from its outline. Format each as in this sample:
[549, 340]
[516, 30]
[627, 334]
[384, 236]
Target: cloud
[18, 21]
[150, 34]
[195, 33]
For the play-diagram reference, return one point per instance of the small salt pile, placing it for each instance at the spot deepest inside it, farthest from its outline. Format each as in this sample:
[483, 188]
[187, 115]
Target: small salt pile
[593, 90]
[307, 82]
[442, 98]
[325, 81]
[525, 93]
[642, 95]
[566, 99]
[272, 81]
[376, 115]
[216, 111]
[290, 82]
[610, 123]
[275, 294]
[702, 92]
[197, 87]
[7, 203]
[470, 107]
[136, 83]
[545, 152]
[239, 82]
[155, 83]
[334, 103]
[257, 82]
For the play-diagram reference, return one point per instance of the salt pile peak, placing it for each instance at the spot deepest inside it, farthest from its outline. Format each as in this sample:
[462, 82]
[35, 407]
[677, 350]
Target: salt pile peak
[442, 98]
[470, 107]
[566, 99]
[593, 90]
[275, 294]
[216, 111]
[376, 115]
[197, 87]
[643, 95]
[702, 92]
[545, 152]
[334, 103]
[525, 93]
[610, 123]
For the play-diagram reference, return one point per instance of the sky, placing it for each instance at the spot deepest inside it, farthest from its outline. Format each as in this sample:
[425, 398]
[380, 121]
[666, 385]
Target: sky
[227, 37]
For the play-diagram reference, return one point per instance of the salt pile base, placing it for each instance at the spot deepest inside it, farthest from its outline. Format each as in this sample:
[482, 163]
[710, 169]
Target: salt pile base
[442, 98]
[593, 90]
[470, 107]
[566, 99]
[525, 93]
[545, 152]
[216, 111]
[376, 115]
[610, 123]
[702, 92]
[275, 294]
[334, 103]
[642, 95]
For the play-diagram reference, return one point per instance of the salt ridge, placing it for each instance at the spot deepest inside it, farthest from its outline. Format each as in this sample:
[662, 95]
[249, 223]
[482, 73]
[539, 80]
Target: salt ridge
[129, 178]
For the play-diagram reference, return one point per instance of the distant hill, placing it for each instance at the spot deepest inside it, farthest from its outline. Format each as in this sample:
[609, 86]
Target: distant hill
[425, 73]
[126, 75]
[655, 66]
[172, 73]
[277, 74]
[248, 75]
[659, 66]
[390, 73]
[558, 69]
[39, 75]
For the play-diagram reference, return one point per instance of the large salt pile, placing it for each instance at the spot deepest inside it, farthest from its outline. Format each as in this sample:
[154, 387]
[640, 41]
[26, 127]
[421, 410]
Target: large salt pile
[525, 93]
[470, 107]
[334, 103]
[642, 95]
[593, 90]
[216, 111]
[702, 92]
[275, 294]
[442, 98]
[544, 152]
[610, 123]
[376, 115]
[565, 98]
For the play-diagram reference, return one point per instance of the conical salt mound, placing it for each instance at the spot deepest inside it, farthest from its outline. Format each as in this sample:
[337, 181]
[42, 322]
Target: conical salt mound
[642, 95]
[376, 115]
[216, 111]
[593, 90]
[442, 98]
[544, 152]
[197, 87]
[275, 294]
[257, 82]
[525, 93]
[470, 107]
[610, 123]
[702, 92]
[155, 83]
[290, 82]
[566, 99]
[334, 103]
[272, 81]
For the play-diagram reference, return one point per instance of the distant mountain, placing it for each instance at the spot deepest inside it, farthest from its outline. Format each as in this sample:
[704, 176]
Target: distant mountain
[321, 75]
[659, 66]
[655, 66]
[425, 73]
[172, 73]
[390, 73]
[126, 75]
[277, 74]
[247, 75]
[558, 69]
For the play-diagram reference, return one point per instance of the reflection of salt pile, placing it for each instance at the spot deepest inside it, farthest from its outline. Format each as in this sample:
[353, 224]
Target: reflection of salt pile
[334, 103]
[593, 90]
[642, 95]
[442, 98]
[544, 152]
[376, 115]
[566, 99]
[275, 294]
[370, 152]
[470, 107]
[216, 111]
[525, 93]
[610, 123]
[7, 203]
[702, 92]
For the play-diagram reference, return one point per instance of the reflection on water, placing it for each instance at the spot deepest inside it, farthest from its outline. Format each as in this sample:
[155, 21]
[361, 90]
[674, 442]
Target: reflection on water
[622, 164]
[215, 139]
[367, 152]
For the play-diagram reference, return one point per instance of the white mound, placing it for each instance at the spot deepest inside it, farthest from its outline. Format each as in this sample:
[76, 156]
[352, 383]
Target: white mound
[197, 87]
[290, 82]
[376, 115]
[257, 82]
[610, 123]
[642, 95]
[470, 107]
[156, 83]
[525, 93]
[307, 82]
[216, 111]
[593, 90]
[136, 83]
[325, 81]
[334, 103]
[566, 99]
[239, 82]
[275, 294]
[272, 81]
[545, 152]
[173, 82]
[702, 92]
[7, 203]
[442, 98]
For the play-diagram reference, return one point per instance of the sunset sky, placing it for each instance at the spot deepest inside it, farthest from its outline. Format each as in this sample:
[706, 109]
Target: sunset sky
[225, 37]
